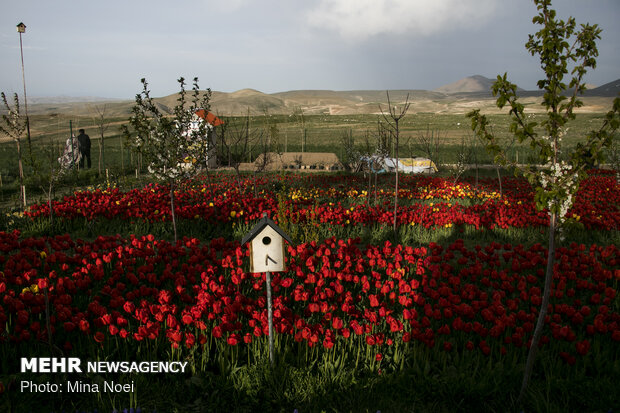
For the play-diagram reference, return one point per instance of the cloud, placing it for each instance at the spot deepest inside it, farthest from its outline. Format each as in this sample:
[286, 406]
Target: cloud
[360, 19]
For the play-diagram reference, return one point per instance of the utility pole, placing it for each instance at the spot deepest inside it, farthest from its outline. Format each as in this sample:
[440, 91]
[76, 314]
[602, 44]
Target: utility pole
[21, 28]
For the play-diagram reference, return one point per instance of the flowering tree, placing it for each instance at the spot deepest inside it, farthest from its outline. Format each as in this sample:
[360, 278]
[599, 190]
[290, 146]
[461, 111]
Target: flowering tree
[173, 146]
[14, 125]
[561, 48]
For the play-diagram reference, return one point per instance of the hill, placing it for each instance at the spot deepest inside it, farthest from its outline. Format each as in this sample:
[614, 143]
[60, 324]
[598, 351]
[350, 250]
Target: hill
[469, 84]
[476, 84]
[611, 89]
[456, 97]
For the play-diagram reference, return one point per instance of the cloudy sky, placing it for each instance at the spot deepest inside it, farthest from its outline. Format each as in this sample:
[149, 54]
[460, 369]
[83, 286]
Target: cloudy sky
[104, 48]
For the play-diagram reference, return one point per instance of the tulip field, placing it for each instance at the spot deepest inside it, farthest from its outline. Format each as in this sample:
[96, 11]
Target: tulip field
[437, 317]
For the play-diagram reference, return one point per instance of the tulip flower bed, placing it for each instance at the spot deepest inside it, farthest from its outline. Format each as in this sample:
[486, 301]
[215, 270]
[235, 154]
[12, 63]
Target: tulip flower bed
[374, 308]
[451, 319]
[341, 200]
[142, 288]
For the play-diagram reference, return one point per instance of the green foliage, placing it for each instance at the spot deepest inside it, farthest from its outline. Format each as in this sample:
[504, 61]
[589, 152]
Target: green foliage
[560, 48]
[14, 124]
[427, 380]
[173, 146]
[558, 45]
[350, 157]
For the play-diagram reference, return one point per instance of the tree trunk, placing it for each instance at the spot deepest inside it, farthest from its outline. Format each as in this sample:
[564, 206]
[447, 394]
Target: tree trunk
[499, 179]
[120, 141]
[376, 188]
[396, 184]
[540, 323]
[22, 190]
[49, 197]
[49, 204]
[100, 154]
[28, 134]
[369, 183]
[396, 198]
[174, 220]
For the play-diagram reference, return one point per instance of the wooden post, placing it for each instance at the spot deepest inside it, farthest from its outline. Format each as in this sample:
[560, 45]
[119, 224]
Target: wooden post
[303, 147]
[72, 149]
[120, 140]
[269, 315]
[267, 254]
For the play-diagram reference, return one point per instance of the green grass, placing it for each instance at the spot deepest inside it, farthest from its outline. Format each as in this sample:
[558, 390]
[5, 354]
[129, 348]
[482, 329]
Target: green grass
[323, 133]
[372, 234]
[430, 380]
[369, 234]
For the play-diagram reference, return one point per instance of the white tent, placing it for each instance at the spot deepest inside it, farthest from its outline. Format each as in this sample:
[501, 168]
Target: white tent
[416, 165]
[411, 165]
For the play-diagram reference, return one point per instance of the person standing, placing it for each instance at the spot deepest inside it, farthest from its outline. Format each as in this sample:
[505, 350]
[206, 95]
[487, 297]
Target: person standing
[84, 140]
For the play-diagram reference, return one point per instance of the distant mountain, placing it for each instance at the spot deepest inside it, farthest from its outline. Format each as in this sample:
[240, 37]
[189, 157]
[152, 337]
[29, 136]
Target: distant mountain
[241, 101]
[610, 89]
[477, 86]
[312, 102]
[471, 84]
[68, 99]
[451, 98]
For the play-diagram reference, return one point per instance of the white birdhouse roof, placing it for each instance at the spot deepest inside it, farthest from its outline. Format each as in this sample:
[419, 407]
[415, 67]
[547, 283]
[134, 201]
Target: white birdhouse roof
[265, 221]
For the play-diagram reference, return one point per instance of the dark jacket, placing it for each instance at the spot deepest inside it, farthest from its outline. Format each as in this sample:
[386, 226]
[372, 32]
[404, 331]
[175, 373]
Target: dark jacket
[84, 140]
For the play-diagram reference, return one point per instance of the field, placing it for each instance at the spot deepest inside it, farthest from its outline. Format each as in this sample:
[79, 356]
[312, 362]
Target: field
[310, 133]
[435, 317]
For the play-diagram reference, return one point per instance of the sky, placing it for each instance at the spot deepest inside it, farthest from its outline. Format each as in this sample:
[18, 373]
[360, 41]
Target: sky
[103, 48]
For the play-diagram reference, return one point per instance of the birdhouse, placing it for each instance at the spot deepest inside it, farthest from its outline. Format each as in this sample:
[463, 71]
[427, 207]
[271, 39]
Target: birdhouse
[21, 28]
[266, 246]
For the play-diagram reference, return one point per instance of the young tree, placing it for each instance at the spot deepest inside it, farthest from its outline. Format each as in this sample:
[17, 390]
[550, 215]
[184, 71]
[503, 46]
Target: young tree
[474, 148]
[352, 158]
[429, 144]
[392, 120]
[173, 146]
[463, 158]
[561, 48]
[48, 178]
[14, 125]
[98, 114]
[264, 158]
[268, 143]
[272, 131]
[237, 141]
[299, 117]
[377, 155]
